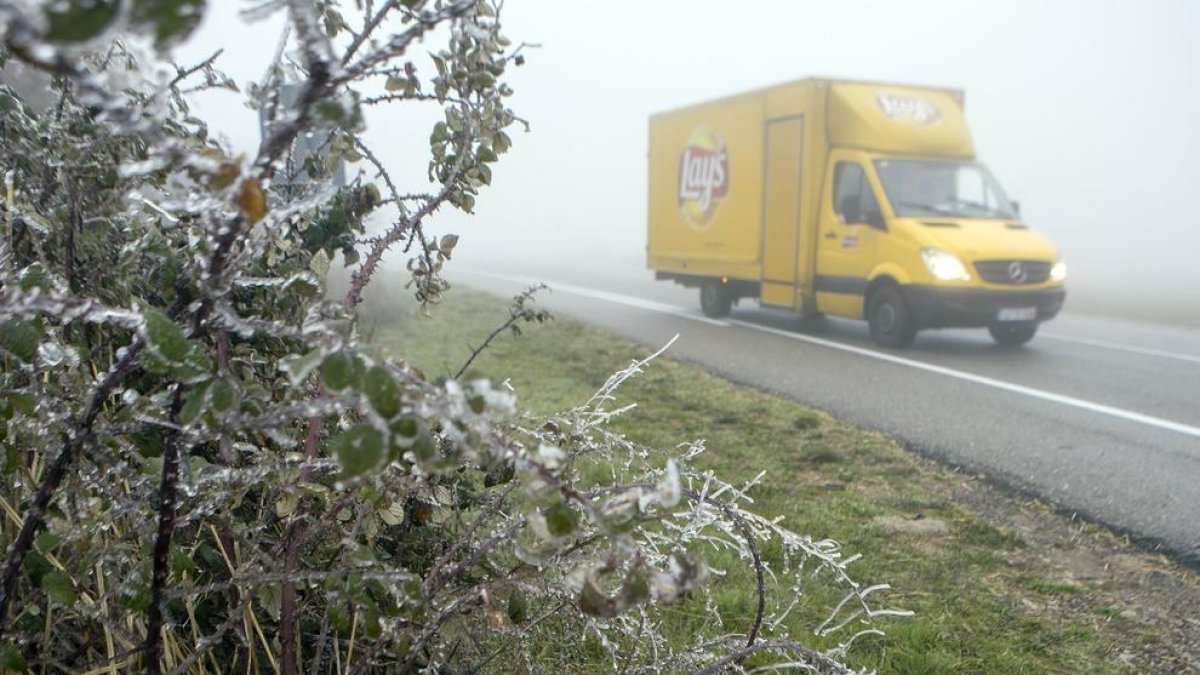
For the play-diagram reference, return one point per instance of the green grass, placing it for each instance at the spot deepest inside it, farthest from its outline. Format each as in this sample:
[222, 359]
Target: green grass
[971, 594]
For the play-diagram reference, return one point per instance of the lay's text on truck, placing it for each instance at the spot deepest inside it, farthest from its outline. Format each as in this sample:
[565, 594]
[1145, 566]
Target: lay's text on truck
[850, 199]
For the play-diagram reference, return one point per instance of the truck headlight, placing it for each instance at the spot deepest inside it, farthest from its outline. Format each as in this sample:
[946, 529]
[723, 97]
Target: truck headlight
[1059, 271]
[944, 265]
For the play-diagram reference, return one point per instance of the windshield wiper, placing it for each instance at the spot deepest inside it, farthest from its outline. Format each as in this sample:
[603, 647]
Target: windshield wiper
[935, 209]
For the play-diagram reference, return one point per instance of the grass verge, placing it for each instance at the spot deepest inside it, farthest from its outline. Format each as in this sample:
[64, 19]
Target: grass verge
[999, 585]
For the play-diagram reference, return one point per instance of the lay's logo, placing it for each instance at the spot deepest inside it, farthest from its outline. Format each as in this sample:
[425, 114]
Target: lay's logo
[703, 177]
[908, 108]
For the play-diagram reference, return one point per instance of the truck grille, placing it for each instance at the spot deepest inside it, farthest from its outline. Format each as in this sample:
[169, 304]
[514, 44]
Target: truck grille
[1013, 272]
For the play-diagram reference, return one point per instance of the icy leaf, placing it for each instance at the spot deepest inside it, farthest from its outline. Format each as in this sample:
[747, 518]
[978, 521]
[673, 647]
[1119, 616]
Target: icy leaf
[165, 336]
[79, 20]
[424, 448]
[223, 396]
[251, 201]
[382, 391]
[635, 590]
[518, 606]
[34, 276]
[300, 366]
[395, 83]
[286, 504]
[194, 406]
[406, 427]
[224, 176]
[20, 338]
[59, 588]
[304, 284]
[393, 515]
[320, 264]
[358, 449]
[561, 519]
[337, 372]
[501, 143]
[169, 20]
[592, 601]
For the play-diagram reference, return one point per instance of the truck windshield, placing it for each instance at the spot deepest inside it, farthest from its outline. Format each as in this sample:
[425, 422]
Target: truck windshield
[919, 188]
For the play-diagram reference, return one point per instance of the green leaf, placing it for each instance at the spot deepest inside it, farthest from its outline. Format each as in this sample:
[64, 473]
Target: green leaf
[382, 391]
[47, 541]
[195, 405]
[59, 587]
[477, 404]
[169, 20]
[20, 338]
[22, 403]
[79, 20]
[299, 367]
[501, 143]
[518, 606]
[12, 659]
[635, 590]
[358, 449]
[165, 337]
[337, 372]
[181, 564]
[561, 519]
[33, 277]
[195, 368]
[407, 427]
[223, 396]
[424, 448]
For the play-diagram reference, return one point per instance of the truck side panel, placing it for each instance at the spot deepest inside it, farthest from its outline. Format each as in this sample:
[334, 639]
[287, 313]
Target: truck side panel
[705, 189]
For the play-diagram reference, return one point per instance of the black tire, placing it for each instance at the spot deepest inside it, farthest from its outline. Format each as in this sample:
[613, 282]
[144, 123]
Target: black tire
[1013, 334]
[890, 319]
[715, 299]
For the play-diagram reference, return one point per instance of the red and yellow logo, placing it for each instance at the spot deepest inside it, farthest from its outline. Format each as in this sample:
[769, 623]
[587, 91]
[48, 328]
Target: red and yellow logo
[703, 176]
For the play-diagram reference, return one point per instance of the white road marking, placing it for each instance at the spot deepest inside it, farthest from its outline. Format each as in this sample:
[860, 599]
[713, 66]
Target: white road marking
[1147, 351]
[607, 296]
[1090, 406]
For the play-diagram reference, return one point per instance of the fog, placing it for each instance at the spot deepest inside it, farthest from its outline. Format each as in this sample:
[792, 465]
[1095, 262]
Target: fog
[1084, 110]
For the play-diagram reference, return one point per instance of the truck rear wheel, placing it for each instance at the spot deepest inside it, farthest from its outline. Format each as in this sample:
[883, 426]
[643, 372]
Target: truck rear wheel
[890, 319]
[1013, 334]
[715, 299]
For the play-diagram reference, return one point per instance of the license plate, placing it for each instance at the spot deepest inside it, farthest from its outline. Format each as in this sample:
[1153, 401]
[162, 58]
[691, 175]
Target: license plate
[1017, 314]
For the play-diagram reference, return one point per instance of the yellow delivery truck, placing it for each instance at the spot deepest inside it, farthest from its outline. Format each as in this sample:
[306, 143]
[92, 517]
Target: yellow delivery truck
[851, 199]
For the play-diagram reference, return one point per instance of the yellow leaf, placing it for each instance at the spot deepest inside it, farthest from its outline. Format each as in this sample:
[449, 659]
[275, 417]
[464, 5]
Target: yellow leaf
[224, 176]
[251, 201]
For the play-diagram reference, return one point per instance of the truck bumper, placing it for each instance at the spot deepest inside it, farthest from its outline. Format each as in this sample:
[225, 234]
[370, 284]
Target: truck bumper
[935, 307]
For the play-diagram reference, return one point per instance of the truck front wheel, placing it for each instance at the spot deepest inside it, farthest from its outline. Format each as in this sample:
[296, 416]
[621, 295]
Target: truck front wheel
[715, 299]
[1013, 334]
[890, 319]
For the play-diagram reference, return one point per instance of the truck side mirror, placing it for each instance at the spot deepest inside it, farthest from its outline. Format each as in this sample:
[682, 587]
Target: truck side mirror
[850, 209]
[1016, 206]
[875, 220]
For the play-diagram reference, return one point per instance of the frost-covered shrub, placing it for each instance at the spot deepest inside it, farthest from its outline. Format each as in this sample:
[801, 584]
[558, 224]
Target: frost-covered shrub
[206, 469]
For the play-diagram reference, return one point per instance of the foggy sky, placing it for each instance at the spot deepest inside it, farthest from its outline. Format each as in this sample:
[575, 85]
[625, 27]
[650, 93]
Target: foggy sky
[1086, 111]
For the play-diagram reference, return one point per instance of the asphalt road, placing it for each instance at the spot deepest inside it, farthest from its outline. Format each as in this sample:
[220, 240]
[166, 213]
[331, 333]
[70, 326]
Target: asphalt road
[1101, 417]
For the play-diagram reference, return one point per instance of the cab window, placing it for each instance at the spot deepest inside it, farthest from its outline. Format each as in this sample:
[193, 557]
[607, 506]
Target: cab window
[853, 200]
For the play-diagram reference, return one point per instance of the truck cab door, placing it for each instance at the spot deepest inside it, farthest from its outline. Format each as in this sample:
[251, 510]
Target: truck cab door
[850, 224]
